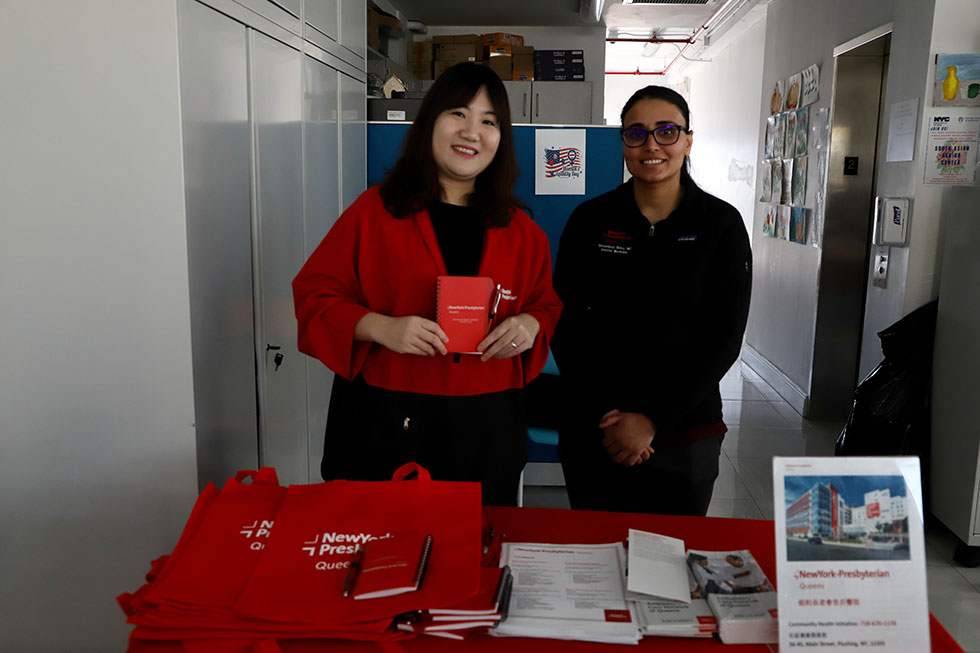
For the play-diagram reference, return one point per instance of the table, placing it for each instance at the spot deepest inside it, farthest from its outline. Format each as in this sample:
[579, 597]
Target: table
[589, 527]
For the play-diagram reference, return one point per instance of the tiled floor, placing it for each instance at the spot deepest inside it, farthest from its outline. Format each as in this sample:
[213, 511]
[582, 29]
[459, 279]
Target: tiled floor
[762, 425]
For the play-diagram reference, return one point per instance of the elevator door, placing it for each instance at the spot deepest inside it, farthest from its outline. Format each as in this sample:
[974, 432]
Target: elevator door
[856, 116]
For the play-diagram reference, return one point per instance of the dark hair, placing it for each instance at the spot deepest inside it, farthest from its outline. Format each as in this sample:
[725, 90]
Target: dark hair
[673, 97]
[413, 183]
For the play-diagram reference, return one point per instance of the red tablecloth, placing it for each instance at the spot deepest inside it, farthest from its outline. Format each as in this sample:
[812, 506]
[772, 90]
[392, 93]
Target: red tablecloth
[587, 527]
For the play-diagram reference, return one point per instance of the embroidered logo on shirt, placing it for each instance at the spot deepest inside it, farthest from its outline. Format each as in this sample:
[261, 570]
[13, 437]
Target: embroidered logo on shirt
[615, 242]
[687, 239]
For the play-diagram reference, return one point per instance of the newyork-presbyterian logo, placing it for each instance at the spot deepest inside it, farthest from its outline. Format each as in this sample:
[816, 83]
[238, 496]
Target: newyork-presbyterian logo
[337, 544]
[256, 532]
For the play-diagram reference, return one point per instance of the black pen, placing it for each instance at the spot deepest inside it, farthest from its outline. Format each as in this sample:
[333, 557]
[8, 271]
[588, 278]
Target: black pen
[352, 571]
[488, 539]
[496, 303]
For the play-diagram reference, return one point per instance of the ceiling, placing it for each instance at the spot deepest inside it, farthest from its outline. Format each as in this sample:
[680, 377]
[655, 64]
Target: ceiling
[615, 15]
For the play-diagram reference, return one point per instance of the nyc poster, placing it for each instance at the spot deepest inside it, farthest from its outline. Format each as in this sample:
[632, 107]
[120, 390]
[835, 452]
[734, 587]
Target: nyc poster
[951, 157]
[559, 162]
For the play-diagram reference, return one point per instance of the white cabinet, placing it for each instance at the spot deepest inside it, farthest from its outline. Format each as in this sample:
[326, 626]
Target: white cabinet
[274, 149]
[955, 447]
[550, 103]
[324, 15]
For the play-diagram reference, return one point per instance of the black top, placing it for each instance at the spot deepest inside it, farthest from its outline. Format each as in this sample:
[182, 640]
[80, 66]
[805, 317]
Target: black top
[460, 235]
[653, 318]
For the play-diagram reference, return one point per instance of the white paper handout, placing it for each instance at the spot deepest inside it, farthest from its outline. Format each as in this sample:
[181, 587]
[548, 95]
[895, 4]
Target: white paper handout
[568, 592]
[850, 555]
[657, 567]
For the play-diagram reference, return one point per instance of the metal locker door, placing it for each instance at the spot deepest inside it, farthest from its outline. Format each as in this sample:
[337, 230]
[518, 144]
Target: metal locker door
[276, 100]
[562, 103]
[353, 139]
[321, 106]
[519, 96]
[217, 142]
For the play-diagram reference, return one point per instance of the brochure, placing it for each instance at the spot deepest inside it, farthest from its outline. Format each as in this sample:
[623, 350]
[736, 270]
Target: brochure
[565, 591]
[739, 595]
[850, 554]
[675, 619]
[656, 567]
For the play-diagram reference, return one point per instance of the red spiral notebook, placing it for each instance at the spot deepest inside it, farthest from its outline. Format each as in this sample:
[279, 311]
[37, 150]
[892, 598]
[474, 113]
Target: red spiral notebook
[463, 307]
[390, 566]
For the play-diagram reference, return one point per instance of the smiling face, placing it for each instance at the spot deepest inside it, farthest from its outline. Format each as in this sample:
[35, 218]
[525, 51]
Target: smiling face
[464, 142]
[653, 163]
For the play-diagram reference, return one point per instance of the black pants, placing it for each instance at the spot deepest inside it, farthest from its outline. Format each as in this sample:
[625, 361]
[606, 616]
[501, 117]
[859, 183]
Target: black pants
[371, 432]
[676, 480]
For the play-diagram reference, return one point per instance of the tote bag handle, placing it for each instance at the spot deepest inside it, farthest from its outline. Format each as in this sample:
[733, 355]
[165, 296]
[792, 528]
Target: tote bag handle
[406, 470]
[265, 476]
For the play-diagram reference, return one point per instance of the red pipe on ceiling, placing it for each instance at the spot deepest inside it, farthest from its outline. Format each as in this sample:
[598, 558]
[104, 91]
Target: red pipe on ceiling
[680, 52]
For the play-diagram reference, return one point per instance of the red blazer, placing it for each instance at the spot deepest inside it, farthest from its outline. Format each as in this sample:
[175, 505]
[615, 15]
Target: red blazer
[371, 261]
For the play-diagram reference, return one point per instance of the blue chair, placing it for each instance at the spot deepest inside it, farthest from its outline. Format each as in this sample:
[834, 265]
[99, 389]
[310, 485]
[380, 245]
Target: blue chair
[543, 467]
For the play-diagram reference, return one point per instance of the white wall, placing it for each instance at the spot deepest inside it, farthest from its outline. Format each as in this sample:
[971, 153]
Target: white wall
[799, 33]
[724, 103]
[97, 450]
[591, 40]
[914, 272]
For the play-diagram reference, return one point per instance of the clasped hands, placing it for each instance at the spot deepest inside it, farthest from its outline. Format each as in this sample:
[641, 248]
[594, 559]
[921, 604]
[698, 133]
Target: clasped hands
[627, 436]
[412, 334]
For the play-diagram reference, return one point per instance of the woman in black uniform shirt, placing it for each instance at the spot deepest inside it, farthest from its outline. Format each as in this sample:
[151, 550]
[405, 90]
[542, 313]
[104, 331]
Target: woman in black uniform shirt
[655, 277]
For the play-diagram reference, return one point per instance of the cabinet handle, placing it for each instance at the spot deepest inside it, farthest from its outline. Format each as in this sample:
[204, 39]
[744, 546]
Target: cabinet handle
[524, 106]
[537, 104]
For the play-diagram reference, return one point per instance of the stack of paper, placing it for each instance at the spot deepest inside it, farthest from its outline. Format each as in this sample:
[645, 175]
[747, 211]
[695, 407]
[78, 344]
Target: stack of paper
[481, 612]
[676, 618]
[569, 592]
[668, 601]
[739, 594]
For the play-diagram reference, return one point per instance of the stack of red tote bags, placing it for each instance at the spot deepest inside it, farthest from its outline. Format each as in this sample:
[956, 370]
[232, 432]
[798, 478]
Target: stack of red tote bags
[258, 563]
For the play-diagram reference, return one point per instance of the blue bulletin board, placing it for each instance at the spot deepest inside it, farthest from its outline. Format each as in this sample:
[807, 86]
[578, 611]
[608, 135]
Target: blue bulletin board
[603, 169]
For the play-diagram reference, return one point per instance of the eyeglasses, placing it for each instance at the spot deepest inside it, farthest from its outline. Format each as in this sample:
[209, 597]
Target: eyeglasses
[636, 135]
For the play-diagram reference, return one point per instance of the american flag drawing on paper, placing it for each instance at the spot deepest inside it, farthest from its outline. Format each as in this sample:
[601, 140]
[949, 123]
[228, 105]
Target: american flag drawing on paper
[561, 159]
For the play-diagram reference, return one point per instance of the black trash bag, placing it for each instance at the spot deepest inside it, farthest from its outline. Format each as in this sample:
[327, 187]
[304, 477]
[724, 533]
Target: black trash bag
[890, 412]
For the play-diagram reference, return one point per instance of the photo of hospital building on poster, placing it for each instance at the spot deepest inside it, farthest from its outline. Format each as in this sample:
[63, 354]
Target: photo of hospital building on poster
[846, 518]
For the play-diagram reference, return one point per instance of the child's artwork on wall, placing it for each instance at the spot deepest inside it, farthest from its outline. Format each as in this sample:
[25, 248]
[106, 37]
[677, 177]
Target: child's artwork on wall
[770, 137]
[782, 222]
[777, 180]
[790, 149]
[779, 142]
[776, 100]
[794, 89]
[769, 222]
[797, 225]
[957, 81]
[766, 195]
[811, 85]
[799, 181]
[802, 126]
[786, 191]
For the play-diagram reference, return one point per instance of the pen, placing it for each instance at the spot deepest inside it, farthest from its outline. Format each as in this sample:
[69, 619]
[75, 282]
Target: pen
[495, 303]
[487, 538]
[355, 567]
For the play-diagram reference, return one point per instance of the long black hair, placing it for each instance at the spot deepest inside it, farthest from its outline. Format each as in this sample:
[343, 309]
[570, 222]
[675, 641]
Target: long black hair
[413, 183]
[673, 97]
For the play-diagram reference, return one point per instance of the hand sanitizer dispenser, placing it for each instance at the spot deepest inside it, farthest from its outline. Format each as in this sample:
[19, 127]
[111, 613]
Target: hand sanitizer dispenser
[891, 221]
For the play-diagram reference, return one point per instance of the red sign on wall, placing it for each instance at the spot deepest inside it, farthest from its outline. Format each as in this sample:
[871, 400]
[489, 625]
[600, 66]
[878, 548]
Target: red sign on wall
[874, 509]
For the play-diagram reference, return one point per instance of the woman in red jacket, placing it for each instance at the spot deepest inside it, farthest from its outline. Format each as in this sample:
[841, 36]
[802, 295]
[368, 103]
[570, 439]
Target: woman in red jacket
[366, 300]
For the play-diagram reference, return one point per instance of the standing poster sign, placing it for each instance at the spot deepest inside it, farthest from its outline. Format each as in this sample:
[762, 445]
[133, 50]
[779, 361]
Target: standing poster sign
[559, 162]
[951, 156]
[850, 554]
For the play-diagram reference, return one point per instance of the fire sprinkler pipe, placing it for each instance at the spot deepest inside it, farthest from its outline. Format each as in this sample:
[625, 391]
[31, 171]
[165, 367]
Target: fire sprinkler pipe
[687, 42]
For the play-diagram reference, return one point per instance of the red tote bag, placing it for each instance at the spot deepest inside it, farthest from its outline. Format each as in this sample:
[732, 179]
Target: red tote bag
[216, 563]
[301, 573]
